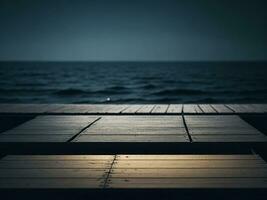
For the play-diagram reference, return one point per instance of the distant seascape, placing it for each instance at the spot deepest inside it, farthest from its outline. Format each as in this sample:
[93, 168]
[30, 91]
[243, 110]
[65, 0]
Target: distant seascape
[133, 82]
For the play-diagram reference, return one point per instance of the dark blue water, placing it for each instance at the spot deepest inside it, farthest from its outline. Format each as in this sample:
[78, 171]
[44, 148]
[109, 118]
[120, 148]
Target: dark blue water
[133, 82]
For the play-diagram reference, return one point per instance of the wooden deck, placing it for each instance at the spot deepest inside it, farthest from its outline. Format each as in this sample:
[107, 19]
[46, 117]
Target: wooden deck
[132, 109]
[133, 171]
[132, 149]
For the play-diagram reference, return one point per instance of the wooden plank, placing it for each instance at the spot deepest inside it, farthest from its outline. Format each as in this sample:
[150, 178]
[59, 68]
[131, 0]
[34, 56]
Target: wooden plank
[86, 108]
[73, 108]
[199, 183]
[247, 108]
[53, 173]
[54, 164]
[191, 164]
[260, 107]
[59, 157]
[224, 139]
[222, 129]
[89, 108]
[221, 109]
[175, 108]
[50, 183]
[206, 108]
[188, 171]
[160, 108]
[116, 108]
[187, 157]
[191, 109]
[131, 138]
[146, 121]
[135, 129]
[124, 108]
[145, 109]
[52, 107]
[47, 129]
[238, 108]
[132, 171]
[132, 109]
[215, 121]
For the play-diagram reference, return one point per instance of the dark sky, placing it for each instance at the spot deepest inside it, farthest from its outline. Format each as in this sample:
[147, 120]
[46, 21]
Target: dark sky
[133, 30]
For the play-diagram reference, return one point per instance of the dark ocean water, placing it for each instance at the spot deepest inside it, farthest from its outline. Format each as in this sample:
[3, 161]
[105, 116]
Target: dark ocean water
[133, 82]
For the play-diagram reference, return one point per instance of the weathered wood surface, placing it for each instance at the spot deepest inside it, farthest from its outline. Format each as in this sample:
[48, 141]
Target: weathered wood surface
[54, 171]
[188, 171]
[175, 109]
[48, 129]
[222, 109]
[222, 129]
[145, 109]
[135, 129]
[111, 131]
[206, 108]
[89, 109]
[247, 108]
[132, 171]
[161, 108]
[132, 108]
[191, 109]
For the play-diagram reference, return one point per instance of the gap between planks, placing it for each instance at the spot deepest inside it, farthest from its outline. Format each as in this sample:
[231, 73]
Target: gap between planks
[109, 172]
[185, 125]
[86, 127]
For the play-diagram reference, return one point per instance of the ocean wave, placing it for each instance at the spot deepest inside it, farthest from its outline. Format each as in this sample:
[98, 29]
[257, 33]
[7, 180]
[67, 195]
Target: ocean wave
[149, 86]
[26, 91]
[132, 83]
[70, 92]
[114, 90]
[179, 92]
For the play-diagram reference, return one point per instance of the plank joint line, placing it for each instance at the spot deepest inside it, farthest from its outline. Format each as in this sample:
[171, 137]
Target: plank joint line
[76, 135]
[213, 108]
[109, 171]
[200, 108]
[185, 126]
[124, 109]
[229, 108]
[152, 109]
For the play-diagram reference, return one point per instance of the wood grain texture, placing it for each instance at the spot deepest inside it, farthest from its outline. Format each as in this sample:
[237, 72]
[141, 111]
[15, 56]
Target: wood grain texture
[48, 129]
[135, 129]
[160, 108]
[206, 108]
[54, 171]
[247, 108]
[131, 108]
[145, 109]
[175, 108]
[222, 129]
[132, 172]
[221, 109]
[191, 109]
[188, 171]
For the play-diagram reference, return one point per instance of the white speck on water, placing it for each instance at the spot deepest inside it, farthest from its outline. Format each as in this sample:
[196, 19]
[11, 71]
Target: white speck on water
[108, 99]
